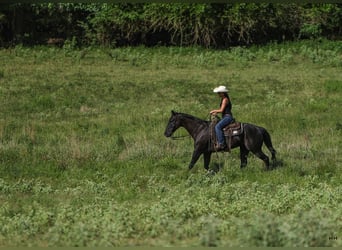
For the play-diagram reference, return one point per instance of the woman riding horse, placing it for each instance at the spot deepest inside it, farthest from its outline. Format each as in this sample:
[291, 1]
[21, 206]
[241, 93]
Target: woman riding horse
[251, 140]
[227, 116]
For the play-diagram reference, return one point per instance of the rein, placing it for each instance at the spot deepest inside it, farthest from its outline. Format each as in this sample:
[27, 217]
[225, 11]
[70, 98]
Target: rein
[179, 137]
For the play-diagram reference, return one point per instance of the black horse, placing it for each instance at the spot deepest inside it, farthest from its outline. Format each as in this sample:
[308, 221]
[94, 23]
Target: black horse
[251, 139]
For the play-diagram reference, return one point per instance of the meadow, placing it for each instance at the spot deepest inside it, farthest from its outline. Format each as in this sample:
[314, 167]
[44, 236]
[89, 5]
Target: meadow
[84, 162]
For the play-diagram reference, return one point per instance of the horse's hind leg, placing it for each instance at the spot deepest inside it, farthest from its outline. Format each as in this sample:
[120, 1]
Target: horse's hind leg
[263, 157]
[274, 160]
[273, 152]
[268, 143]
[243, 156]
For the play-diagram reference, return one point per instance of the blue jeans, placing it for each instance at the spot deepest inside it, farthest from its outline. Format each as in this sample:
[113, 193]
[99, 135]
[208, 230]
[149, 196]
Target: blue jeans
[219, 128]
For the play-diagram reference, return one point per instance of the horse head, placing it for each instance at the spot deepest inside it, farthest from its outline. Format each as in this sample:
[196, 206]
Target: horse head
[173, 124]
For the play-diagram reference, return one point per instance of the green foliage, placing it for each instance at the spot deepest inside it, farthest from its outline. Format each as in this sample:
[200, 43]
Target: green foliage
[333, 86]
[84, 162]
[181, 24]
[310, 31]
[313, 228]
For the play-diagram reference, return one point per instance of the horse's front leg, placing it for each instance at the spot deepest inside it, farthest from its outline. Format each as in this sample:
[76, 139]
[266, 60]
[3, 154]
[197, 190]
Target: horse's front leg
[243, 156]
[195, 155]
[206, 157]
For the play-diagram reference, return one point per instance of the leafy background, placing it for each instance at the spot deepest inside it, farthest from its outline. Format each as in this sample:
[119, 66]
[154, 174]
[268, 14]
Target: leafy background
[181, 24]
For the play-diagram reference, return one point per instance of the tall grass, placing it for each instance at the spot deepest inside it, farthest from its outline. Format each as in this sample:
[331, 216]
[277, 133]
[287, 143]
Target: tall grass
[83, 159]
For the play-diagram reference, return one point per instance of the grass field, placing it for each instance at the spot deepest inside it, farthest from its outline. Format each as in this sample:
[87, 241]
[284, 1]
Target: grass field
[84, 162]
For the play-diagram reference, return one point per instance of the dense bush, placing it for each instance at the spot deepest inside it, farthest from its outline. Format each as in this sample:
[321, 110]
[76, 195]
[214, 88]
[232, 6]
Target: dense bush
[210, 25]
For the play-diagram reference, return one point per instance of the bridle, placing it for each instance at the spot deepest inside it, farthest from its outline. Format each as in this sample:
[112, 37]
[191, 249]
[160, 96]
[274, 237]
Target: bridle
[178, 137]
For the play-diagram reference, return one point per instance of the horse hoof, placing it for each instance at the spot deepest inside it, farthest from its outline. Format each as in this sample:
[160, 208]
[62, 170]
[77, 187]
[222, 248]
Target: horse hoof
[211, 172]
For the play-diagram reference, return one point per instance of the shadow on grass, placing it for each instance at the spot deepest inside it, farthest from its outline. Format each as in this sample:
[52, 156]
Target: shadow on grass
[278, 163]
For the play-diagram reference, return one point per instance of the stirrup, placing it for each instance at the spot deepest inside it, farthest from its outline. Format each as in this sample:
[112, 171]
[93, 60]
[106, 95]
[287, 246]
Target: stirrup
[220, 146]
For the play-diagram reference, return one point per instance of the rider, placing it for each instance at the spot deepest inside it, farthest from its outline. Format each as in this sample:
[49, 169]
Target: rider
[227, 116]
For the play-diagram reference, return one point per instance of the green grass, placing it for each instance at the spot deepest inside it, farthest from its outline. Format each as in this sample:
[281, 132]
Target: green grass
[83, 159]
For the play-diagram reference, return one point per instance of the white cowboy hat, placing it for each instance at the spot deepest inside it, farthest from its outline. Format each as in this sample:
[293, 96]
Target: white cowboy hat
[221, 89]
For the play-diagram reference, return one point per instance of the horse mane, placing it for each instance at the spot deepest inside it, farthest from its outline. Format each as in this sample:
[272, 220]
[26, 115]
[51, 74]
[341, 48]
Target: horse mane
[191, 117]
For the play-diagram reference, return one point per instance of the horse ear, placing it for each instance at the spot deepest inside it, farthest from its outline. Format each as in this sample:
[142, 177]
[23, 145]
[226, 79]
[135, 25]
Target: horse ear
[173, 112]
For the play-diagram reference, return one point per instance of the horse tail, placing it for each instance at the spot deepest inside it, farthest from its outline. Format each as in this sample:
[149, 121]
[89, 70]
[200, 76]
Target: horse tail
[268, 143]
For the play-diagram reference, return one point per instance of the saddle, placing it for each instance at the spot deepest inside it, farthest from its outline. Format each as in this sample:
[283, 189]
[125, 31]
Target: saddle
[234, 128]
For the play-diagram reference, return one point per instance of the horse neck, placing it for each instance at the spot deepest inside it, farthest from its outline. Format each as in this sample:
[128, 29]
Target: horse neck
[193, 126]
